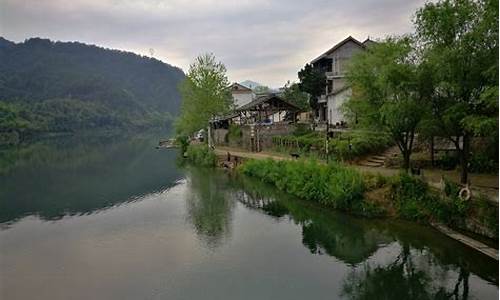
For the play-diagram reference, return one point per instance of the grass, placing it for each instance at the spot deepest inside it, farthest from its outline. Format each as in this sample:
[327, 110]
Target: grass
[343, 188]
[331, 185]
[201, 155]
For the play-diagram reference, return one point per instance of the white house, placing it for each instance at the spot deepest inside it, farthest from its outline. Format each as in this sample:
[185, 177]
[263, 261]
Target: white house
[334, 64]
[241, 94]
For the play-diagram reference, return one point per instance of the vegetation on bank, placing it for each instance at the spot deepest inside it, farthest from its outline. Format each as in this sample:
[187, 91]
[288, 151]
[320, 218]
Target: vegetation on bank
[346, 189]
[442, 80]
[201, 155]
[205, 94]
[332, 185]
[346, 146]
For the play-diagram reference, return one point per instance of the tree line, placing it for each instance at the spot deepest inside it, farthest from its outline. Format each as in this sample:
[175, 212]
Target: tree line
[48, 86]
[441, 80]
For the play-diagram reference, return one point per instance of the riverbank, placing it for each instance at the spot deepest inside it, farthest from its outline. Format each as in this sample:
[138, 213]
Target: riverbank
[388, 195]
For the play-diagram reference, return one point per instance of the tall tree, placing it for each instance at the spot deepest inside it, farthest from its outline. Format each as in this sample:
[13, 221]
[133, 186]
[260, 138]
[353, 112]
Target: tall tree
[388, 92]
[205, 94]
[313, 82]
[459, 41]
[293, 94]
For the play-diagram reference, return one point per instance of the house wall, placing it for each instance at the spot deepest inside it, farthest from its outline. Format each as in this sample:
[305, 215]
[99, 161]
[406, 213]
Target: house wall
[334, 106]
[341, 56]
[242, 98]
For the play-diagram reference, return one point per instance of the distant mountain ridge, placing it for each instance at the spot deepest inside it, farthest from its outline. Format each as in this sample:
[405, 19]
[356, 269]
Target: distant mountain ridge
[68, 86]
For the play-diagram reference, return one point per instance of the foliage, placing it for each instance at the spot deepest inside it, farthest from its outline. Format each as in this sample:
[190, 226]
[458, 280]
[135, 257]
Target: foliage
[261, 89]
[183, 142]
[312, 82]
[293, 94]
[205, 94]
[57, 86]
[390, 91]
[332, 185]
[201, 155]
[362, 143]
[458, 40]
[480, 162]
[416, 201]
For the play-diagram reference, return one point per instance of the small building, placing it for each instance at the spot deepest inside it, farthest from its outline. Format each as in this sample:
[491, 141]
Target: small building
[333, 63]
[259, 121]
[241, 94]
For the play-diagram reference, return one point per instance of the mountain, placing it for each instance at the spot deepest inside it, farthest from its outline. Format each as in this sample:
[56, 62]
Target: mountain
[48, 86]
[251, 84]
[258, 87]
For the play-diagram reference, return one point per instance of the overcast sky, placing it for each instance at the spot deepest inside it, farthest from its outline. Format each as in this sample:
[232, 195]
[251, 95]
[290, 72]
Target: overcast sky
[261, 40]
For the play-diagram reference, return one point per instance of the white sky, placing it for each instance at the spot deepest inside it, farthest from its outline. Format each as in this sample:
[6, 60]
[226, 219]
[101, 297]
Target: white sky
[261, 40]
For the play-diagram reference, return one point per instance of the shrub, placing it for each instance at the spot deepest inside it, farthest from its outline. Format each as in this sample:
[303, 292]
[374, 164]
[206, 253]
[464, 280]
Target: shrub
[331, 185]
[481, 163]
[183, 142]
[201, 155]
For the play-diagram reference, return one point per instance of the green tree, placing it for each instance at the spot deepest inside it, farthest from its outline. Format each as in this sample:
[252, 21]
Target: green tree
[459, 42]
[389, 92]
[293, 94]
[205, 94]
[261, 89]
[313, 82]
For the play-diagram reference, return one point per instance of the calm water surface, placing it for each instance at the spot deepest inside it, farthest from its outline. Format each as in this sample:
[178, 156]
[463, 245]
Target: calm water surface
[115, 218]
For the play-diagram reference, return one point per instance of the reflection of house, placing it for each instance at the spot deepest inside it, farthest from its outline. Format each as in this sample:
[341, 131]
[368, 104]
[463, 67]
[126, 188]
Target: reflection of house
[241, 94]
[334, 64]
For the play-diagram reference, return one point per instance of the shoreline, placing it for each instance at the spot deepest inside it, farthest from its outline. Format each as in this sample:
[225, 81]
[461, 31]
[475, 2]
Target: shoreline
[241, 155]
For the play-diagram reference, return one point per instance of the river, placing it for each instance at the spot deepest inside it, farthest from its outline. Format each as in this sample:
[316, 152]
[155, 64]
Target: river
[115, 218]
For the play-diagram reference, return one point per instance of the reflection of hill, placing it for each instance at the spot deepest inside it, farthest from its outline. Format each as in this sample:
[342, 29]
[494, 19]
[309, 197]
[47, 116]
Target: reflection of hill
[209, 207]
[75, 176]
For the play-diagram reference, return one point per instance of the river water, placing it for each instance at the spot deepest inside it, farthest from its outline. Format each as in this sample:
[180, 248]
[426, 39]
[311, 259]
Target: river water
[114, 218]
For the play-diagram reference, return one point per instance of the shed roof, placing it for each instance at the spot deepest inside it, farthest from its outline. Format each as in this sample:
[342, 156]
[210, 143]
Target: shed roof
[269, 103]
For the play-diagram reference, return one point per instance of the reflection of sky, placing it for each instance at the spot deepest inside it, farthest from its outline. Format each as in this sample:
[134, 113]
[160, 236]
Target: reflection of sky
[266, 41]
[149, 249]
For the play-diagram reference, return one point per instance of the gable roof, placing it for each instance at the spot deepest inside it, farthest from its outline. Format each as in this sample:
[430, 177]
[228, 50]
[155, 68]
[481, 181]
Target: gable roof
[271, 100]
[348, 39]
[239, 87]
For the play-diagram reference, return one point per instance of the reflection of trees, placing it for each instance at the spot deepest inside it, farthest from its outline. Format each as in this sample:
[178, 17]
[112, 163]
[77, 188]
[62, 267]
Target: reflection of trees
[427, 266]
[66, 176]
[209, 207]
[401, 279]
[322, 231]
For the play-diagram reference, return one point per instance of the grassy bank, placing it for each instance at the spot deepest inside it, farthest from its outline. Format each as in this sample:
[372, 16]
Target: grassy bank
[332, 185]
[402, 196]
[201, 155]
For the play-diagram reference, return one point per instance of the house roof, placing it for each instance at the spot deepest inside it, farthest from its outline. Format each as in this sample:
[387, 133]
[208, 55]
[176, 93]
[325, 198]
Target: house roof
[348, 39]
[240, 88]
[271, 101]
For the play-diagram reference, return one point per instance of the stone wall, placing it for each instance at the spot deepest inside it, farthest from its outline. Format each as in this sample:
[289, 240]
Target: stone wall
[265, 135]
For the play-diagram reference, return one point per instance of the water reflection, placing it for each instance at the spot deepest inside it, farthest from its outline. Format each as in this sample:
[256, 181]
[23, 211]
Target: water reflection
[209, 207]
[387, 259]
[79, 175]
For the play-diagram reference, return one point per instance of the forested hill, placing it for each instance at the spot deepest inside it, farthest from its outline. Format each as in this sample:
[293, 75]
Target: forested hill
[69, 86]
